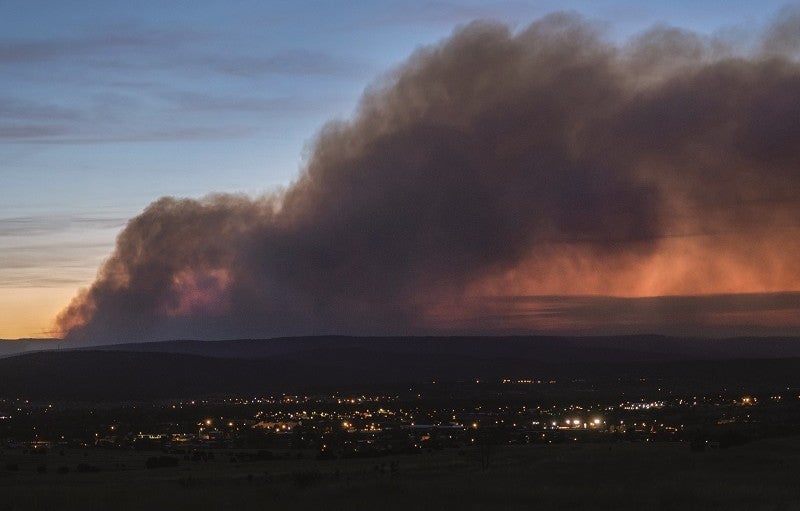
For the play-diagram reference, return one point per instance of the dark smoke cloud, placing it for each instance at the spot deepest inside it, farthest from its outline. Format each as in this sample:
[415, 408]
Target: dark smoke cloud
[544, 162]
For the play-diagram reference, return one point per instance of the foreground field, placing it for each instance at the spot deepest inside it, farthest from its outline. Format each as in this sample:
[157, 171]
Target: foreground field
[762, 475]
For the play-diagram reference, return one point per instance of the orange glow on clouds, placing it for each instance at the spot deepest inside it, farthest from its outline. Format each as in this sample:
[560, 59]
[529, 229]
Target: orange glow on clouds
[199, 292]
[691, 265]
[684, 285]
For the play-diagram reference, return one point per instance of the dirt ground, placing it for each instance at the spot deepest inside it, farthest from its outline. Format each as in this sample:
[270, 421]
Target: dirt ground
[762, 475]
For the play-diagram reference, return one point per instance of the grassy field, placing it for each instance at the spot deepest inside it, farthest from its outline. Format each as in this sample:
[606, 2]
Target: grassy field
[761, 475]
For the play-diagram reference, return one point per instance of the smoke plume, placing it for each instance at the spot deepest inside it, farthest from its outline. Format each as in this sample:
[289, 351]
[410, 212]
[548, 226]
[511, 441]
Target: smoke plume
[548, 161]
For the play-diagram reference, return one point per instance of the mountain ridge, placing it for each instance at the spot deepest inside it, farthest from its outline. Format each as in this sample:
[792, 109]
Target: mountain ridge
[174, 369]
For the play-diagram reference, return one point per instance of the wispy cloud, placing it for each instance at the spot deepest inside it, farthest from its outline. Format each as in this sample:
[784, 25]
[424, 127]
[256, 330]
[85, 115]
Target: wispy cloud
[196, 101]
[137, 48]
[61, 136]
[439, 12]
[107, 41]
[27, 132]
[21, 109]
[48, 224]
[41, 251]
[291, 62]
[119, 84]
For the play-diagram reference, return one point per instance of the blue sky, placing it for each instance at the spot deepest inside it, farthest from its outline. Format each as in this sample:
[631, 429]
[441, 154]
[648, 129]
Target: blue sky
[106, 106]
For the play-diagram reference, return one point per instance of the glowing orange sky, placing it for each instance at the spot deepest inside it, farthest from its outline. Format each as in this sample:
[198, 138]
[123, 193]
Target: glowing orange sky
[29, 311]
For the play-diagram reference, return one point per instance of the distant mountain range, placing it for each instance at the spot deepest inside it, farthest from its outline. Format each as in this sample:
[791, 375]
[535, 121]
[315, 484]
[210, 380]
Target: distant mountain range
[17, 346]
[551, 348]
[249, 367]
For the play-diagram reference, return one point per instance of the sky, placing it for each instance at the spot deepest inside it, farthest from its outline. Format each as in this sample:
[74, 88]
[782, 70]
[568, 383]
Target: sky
[105, 107]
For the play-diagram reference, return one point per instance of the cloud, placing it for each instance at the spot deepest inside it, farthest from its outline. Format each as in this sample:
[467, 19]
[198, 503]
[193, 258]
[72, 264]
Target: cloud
[547, 161]
[139, 48]
[296, 61]
[60, 136]
[38, 225]
[194, 102]
[24, 132]
[720, 315]
[783, 37]
[112, 83]
[12, 108]
[34, 253]
[109, 41]
[451, 13]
